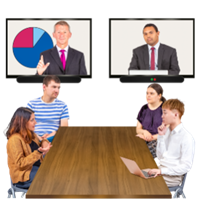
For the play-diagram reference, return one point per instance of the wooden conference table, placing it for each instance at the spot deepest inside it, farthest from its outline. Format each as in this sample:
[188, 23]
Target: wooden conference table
[84, 162]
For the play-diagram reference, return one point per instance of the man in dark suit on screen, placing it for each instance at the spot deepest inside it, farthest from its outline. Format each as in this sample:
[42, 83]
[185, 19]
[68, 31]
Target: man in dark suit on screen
[154, 55]
[61, 59]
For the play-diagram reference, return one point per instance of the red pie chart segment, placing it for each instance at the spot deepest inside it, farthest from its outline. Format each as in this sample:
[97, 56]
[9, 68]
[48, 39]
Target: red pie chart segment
[24, 39]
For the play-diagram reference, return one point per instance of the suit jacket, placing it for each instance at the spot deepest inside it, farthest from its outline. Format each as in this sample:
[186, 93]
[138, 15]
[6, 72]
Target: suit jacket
[75, 64]
[21, 158]
[167, 59]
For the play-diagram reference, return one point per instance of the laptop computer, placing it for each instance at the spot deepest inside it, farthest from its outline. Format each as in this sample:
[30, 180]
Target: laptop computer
[134, 169]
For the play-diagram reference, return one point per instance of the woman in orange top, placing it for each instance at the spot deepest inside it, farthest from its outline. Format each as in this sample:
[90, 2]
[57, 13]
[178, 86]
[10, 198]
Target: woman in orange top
[25, 152]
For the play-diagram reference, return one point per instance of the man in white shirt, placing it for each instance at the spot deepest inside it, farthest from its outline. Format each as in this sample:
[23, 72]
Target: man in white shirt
[175, 145]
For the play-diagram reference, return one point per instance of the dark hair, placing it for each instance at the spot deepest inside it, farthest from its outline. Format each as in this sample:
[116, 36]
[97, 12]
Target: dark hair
[158, 89]
[18, 124]
[149, 25]
[49, 78]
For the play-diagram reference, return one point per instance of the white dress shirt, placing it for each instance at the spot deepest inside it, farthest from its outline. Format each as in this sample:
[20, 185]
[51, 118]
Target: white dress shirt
[156, 47]
[66, 51]
[175, 151]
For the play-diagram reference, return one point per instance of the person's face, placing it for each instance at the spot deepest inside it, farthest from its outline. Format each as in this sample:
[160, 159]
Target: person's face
[31, 123]
[152, 96]
[62, 34]
[169, 116]
[52, 90]
[151, 36]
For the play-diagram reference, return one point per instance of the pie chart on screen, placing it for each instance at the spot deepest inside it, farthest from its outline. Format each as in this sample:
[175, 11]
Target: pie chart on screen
[29, 43]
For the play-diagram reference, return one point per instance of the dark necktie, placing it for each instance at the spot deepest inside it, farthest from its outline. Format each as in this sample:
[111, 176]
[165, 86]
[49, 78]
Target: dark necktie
[152, 58]
[62, 58]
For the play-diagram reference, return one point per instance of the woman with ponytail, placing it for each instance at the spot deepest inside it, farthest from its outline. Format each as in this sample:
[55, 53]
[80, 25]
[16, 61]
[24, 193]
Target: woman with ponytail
[149, 117]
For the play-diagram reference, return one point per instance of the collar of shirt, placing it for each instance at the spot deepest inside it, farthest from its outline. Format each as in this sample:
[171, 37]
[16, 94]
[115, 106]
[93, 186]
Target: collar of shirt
[177, 129]
[45, 102]
[66, 49]
[156, 46]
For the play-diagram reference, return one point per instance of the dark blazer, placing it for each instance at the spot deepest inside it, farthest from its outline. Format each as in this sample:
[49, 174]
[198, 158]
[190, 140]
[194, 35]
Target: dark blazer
[167, 59]
[75, 63]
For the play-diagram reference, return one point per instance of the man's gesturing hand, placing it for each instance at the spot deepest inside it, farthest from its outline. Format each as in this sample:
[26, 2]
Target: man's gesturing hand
[41, 67]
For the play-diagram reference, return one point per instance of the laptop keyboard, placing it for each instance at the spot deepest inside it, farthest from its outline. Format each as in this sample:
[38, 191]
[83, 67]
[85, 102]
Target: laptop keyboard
[146, 174]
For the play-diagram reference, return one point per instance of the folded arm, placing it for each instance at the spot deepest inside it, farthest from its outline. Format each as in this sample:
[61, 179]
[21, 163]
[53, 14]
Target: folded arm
[139, 129]
[144, 134]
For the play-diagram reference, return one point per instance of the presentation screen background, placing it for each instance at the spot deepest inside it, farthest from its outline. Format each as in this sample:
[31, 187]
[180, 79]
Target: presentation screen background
[80, 40]
[127, 34]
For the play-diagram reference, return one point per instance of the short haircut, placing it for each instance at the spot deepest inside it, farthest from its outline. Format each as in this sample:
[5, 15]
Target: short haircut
[174, 104]
[149, 25]
[49, 78]
[62, 23]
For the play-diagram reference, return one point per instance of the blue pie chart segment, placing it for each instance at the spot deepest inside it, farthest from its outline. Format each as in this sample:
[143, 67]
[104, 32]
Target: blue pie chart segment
[30, 56]
[37, 34]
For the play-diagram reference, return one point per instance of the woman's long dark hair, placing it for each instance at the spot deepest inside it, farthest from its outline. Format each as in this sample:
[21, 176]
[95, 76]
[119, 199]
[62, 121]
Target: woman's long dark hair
[158, 89]
[18, 124]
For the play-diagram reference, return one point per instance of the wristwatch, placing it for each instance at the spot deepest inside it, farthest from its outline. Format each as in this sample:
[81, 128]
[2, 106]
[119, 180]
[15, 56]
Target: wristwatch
[39, 151]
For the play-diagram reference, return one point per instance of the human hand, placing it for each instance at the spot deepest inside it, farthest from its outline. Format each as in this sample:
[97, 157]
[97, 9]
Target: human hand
[46, 135]
[41, 67]
[44, 143]
[39, 137]
[162, 129]
[144, 138]
[155, 172]
[45, 149]
[140, 136]
[147, 136]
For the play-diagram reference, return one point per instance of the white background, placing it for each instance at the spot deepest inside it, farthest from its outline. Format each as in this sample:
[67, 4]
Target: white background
[80, 40]
[128, 35]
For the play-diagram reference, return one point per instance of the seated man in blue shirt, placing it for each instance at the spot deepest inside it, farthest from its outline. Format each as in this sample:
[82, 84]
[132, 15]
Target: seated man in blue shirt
[175, 147]
[50, 113]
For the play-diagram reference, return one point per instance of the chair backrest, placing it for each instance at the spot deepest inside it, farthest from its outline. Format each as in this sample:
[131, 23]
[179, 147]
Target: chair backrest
[183, 181]
[179, 186]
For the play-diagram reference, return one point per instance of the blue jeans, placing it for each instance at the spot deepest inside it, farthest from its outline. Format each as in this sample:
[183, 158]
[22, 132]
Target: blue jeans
[50, 139]
[26, 185]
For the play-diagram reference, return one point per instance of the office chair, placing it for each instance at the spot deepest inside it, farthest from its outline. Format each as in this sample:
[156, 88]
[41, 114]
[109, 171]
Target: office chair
[14, 189]
[179, 189]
